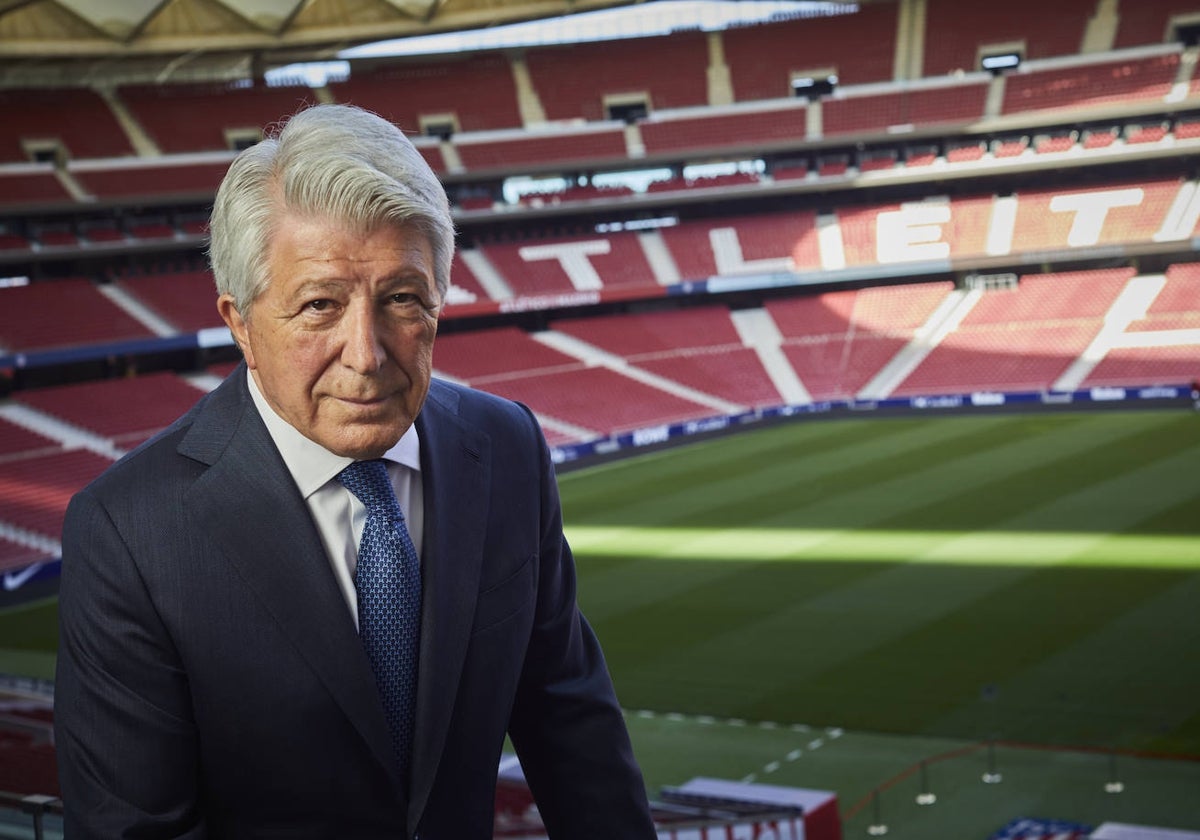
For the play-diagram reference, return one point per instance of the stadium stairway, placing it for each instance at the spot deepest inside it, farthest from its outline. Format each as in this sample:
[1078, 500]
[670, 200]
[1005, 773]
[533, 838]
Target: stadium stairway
[138, 310]
[1130, 306]
[944, 320]
[759, 331]
[595, 357]
[68, 436]
[497, 287]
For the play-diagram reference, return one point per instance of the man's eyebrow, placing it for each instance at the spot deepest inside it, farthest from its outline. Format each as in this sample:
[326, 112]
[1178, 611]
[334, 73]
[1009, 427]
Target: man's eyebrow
[407, 279]
[315, 284]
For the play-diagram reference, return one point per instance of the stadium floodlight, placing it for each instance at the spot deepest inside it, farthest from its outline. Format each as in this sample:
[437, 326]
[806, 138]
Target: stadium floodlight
[999, 62]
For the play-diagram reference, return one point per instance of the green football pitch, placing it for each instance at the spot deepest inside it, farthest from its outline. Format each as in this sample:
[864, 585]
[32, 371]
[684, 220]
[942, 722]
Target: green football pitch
[887, 607]
[831, 603]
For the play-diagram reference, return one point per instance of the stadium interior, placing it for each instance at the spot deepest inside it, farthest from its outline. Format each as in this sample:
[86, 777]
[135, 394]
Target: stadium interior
[893, 203]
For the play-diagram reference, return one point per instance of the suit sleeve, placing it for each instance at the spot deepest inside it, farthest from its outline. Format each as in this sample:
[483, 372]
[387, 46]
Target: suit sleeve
[567, 726]
[125, 740]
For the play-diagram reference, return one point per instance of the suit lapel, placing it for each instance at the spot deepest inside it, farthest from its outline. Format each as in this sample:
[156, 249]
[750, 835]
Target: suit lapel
[281, 558]
[456, 471]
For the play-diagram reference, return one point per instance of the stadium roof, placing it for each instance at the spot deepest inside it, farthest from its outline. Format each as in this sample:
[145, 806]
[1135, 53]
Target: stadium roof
[117, 28]
[41, 40]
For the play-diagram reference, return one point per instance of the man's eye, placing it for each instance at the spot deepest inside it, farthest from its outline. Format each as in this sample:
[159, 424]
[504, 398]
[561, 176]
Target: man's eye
[318, 305]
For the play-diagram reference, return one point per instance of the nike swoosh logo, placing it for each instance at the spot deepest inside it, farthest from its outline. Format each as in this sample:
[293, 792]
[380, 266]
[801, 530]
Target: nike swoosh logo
[15, 580]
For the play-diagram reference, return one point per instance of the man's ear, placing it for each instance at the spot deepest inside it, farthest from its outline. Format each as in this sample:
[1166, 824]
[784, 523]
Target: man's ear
[237, 325]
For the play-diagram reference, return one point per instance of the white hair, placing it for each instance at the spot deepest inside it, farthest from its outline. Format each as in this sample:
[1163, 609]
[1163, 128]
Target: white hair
[333, 161]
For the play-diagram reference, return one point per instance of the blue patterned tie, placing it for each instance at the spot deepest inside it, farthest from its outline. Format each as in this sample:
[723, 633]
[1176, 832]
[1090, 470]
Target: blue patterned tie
[388, 579]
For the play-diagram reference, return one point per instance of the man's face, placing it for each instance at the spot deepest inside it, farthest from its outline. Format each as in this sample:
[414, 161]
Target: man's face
[341, 340]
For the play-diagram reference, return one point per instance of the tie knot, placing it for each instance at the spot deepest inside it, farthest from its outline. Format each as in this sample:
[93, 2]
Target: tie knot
[368, 480]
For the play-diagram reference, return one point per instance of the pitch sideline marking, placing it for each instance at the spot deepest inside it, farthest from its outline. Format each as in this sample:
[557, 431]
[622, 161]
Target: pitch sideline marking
[832, 733]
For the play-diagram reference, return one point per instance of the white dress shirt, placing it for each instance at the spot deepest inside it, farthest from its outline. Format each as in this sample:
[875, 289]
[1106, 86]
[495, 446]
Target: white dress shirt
[338, 514]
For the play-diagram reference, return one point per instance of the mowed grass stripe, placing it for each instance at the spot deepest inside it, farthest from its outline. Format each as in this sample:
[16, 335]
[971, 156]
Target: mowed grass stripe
[910, 464]
[650, 606]
[617, 587]
[1022, 481]
[788, 490]
[771, 664]
[29, 639]
[741, 642]
[1130, 685]
[602, 490]
[766, 643]
[807, 464]
[904, 499]
[943, 666]
[628, 547]
[1100, 505]
[901, 598]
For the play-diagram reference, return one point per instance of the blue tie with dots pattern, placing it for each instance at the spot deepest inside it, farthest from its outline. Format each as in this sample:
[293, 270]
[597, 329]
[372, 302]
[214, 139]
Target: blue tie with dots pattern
[388, 580]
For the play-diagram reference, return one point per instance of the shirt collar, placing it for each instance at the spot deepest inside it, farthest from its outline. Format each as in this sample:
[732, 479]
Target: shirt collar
[313, 466]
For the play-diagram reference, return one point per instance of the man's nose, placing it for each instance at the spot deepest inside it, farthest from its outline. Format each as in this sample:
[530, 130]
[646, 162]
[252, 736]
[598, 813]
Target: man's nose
[362, 350]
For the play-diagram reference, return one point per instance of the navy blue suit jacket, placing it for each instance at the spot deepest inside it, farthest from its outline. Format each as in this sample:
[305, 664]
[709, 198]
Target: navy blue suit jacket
[211, 681]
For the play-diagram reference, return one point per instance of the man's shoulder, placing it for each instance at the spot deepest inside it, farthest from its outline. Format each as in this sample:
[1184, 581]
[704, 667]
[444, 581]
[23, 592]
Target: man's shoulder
[160, 459]
[475, 405]
[480, 413]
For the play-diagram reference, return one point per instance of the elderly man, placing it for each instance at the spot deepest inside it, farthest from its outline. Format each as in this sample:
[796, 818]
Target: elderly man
[315, 605]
